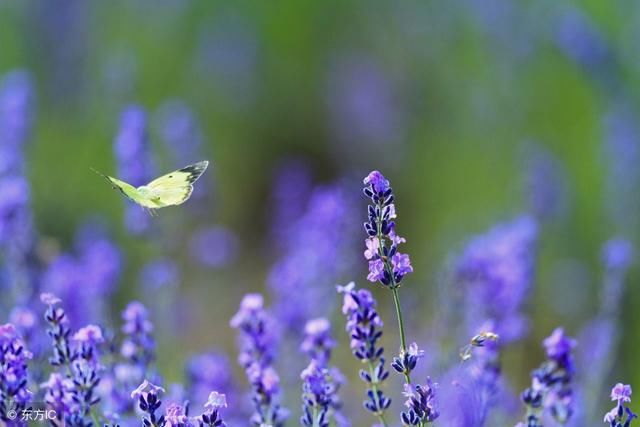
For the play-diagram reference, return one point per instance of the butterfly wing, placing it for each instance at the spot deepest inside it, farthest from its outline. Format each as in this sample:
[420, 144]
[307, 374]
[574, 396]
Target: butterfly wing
[128, 190]
[176, 187]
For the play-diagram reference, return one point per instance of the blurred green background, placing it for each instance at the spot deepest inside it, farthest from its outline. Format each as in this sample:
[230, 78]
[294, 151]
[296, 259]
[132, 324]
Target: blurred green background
[449, 99]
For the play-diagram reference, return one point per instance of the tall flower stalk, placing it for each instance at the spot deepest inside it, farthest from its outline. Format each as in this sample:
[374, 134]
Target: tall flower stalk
[551, 386]
[364, 327]
[257, 348]
[321, 382]
[386, 264]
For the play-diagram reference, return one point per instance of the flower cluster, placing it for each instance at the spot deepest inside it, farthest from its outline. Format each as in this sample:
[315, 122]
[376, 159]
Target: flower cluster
[321, 382]
[72, 389]
[364, 327]
[421, 404]
[84, 278]
[386, 264]
[621, 394]
[257, 347]
[14, 394]
[317, 249]
[551, 388]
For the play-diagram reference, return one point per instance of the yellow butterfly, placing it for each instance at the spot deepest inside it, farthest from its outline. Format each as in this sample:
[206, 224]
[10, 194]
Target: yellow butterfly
[171, 189]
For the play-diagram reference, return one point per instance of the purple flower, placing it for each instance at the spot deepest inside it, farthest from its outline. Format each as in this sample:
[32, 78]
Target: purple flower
[257, 347]
[376, 270]
[317, 394]
[317, 248]
[421, 404]
[175, 416]
[146, 388]
[90, 334]
[401, 264]
[211, 416]
[497, 269]
[558, 346]
[377, 181]
[13, 371]
[214, 247]
[216, 401]
[135, 164]
[386, 264]
[138, 346]
[148, 397]
[551, 387]
[620, 393]
[617, 254]
[317, 343]
[364, 327]
[49, 299]
[321, 383]
[59, 394]
[210, 371]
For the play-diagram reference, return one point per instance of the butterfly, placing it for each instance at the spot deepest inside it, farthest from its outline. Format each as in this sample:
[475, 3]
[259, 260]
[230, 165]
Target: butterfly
[171, 189]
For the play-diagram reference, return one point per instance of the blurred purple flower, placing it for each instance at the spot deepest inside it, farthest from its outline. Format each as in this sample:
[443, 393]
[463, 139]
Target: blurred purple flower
[135, 162]
[496, 270]
[292, 185]
[160, 274]
[363, 103]
[85, 279]
[546, 184]
[214, 247]
[16, 117]
[316, 255]
[257, 341]
[579, 39]
[210, 371]
[228, 55]
[180, 132]
[13, 372]
[552, 383]
[621, 152]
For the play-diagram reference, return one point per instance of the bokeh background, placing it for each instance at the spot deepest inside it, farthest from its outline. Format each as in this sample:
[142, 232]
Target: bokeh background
[477, 111]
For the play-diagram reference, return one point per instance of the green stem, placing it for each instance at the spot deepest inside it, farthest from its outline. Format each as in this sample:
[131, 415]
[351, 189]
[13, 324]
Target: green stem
[403, 340]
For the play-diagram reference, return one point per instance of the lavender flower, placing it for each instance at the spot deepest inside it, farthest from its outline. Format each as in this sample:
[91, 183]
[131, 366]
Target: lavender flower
[551, 388]
[58, 331]
[135, 164]
[621, 394]
[214, 247]
[14, 394]
[364, 327]
[317, 343]
[316, 254]
[211, 417]
[209, 371]
[317, 394]
[85, 278]
[386, 264]
[138, 346]
[147, 395]
[421, 404]
[257, 347]
[321, 382]
[59, 394]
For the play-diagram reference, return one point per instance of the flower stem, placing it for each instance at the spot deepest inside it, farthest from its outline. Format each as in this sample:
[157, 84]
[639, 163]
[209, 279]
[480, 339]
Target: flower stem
[403, 340]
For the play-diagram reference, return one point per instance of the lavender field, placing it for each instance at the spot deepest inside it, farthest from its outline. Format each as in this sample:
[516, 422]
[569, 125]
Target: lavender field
[415, 213]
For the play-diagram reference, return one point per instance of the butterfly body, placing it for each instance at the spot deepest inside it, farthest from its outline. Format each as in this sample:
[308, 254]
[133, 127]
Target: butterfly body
[171, 189]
